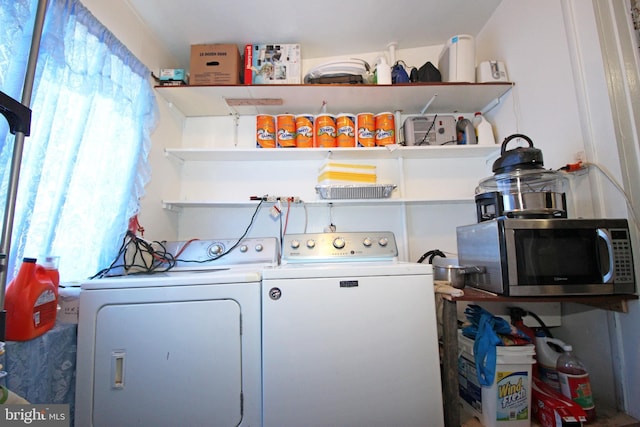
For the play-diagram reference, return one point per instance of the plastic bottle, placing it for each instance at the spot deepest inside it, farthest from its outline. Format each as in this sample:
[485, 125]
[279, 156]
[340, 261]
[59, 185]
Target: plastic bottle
[574, 381]
[383, 72]
[484, 130]
[30, 302]
[465, 131]
[548, 350]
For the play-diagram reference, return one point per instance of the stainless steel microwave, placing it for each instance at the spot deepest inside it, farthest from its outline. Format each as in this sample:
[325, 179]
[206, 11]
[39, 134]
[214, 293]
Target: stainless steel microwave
[555, 256]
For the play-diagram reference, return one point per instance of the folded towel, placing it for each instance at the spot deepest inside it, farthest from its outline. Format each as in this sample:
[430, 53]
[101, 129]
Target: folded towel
[442, 287]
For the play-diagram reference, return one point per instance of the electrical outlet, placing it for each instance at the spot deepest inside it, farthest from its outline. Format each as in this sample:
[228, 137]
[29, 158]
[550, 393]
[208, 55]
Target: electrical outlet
[580, 157]
[273, 199]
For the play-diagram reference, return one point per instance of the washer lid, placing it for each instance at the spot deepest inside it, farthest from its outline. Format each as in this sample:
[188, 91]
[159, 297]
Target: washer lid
[346, 269]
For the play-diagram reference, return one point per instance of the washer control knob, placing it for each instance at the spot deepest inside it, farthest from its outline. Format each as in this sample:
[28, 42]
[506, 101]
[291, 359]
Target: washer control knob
[338, 243]
[366, 242]
[215, 250]
[295, 244]
[383, 241]
[244, 248]
[311, 243]
[259, 247]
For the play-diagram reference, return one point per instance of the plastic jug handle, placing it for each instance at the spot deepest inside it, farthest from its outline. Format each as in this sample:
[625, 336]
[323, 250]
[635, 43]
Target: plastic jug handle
[556, 341]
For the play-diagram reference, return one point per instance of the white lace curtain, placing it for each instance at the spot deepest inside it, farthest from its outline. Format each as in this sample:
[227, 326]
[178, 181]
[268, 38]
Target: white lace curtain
[84, 165]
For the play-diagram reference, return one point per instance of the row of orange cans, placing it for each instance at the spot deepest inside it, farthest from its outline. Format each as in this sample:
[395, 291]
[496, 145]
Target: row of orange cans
[325, 130]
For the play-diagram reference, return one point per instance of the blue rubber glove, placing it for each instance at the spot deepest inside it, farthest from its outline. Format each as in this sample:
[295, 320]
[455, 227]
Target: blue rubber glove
[484, 349]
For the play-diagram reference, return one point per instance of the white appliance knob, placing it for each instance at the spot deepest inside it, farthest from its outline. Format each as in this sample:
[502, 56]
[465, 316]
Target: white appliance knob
[259, 247]
[366, 242]
[215, 250]
[311, 243]
[338, 243]
[244, 248]
[295, 244]
[383, 241]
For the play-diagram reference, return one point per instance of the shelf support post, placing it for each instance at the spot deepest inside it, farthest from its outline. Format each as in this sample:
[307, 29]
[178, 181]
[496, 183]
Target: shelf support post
[450, 383]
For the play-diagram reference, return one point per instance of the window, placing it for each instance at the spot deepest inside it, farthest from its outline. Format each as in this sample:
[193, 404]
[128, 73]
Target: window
[84, 165]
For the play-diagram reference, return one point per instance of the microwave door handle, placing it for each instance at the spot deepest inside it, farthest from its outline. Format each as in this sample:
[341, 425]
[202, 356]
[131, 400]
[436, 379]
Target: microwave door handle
[604, 235]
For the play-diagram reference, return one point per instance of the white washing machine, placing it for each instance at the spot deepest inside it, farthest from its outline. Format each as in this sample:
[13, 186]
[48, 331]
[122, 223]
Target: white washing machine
[175, 349]
[349, 335]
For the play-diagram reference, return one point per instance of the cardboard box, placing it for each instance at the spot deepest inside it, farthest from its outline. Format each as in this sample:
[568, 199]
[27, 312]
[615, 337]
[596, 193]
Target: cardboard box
[215, 64]
[172, 77]
[68, 303]
[272, 64]
[167, 74]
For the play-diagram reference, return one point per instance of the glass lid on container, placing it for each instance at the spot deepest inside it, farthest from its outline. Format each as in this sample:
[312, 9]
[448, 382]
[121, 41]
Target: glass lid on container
[523, 181]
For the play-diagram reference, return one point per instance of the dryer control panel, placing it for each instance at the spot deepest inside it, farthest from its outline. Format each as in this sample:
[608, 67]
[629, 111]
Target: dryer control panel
[207, 254]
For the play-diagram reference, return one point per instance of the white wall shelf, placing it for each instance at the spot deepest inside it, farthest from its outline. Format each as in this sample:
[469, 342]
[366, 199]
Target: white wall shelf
[338, 153]
[194, 101]
[396, 161]
[178, 205]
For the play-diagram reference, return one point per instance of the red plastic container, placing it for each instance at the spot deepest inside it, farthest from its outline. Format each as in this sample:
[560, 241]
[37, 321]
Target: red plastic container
[30, 302]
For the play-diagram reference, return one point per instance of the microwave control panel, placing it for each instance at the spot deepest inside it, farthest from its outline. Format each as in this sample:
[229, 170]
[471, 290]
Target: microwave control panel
[623, 266]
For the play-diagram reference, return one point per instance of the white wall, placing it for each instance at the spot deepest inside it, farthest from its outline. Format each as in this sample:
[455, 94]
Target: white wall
[121, 20]
[561, 101]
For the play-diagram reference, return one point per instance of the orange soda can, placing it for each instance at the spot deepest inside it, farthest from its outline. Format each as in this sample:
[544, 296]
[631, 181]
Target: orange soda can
[345, 130]
[304, 131]
[265, 131]
[286, 134]
[366, 130]
[385, 129]
[324, 131]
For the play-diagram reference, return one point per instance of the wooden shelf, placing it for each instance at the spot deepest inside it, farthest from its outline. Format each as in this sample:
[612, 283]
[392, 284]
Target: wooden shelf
[409, 98]
[617, 302]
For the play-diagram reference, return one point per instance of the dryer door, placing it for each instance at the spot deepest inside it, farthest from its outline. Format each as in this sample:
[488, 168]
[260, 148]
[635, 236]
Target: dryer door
[159, 364]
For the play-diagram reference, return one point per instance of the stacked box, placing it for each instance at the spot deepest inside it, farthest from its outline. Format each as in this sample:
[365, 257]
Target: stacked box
[272, 64]
[215, 64]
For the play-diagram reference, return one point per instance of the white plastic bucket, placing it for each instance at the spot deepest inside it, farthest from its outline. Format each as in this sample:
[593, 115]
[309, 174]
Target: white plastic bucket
[507, 403]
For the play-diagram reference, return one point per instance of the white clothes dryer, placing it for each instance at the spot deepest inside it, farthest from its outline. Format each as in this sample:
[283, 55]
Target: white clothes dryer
[174, 349]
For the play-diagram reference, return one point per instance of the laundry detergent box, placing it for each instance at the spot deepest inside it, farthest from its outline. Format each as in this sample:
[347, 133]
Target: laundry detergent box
[215, 64]
[507, 402]
[272, 64]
